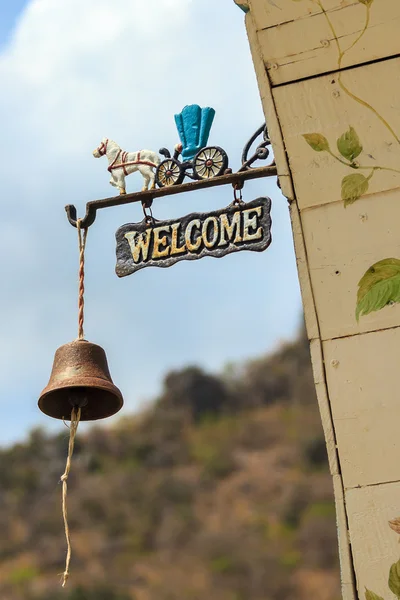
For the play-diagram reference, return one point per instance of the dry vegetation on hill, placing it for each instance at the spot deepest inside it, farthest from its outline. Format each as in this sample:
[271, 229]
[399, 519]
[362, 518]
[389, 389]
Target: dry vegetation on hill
[220, 491]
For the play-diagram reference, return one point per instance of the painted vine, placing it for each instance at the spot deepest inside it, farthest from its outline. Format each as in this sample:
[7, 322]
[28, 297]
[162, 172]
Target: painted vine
[342, 53]
[354, 185]
[380, 285]
[349, 146]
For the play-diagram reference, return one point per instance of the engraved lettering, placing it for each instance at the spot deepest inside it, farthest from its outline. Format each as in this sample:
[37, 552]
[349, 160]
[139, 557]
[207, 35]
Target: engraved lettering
[159, 242]
[140, 245]
[229, 229]
[193, 246]
[175, 249]
[252, 223]
[210, 242]
[217, 233]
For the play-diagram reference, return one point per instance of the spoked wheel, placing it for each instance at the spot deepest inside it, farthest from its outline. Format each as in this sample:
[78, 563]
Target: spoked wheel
[210, 162]
[169, 172]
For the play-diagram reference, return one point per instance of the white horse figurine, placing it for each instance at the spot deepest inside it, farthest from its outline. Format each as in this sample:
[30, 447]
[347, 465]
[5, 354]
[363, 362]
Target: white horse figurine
[121, 164]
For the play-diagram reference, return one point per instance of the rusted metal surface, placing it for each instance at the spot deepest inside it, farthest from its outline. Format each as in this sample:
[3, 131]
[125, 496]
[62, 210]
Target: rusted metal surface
[147, 197]
[152, 243]
[80, 378]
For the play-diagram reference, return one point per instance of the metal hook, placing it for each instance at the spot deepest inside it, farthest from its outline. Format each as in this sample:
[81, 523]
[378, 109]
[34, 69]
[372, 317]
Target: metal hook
[88, 219]
[146, 204]
[237, 199]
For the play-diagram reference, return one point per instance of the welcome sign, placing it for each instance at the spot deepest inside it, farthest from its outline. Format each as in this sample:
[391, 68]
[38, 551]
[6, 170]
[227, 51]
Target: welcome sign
[243, 226]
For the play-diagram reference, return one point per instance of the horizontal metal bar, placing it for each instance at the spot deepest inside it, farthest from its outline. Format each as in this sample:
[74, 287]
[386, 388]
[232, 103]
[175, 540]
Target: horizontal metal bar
[147, 197]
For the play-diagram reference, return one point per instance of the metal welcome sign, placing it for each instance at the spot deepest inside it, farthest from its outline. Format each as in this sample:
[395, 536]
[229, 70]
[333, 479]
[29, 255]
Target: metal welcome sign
[242, 226]
[80, 387]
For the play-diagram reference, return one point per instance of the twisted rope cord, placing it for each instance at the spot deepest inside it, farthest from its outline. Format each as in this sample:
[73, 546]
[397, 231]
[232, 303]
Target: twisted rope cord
[76, 412]
[75, 418]
[81, 293]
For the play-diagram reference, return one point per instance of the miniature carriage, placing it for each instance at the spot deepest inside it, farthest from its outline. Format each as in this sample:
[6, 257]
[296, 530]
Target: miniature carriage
[198, 161]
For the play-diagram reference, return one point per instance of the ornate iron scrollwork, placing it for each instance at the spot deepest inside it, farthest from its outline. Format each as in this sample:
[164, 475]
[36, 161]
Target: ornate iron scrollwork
[262, 151]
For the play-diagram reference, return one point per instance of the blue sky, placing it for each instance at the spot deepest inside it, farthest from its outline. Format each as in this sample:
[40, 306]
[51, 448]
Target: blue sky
[122, 70]
[9, 12]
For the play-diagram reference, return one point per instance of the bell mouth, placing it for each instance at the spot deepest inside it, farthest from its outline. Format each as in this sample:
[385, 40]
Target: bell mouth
[98, 400]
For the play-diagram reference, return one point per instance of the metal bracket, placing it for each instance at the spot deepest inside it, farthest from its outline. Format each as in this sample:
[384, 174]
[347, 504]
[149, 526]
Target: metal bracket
[237, 180]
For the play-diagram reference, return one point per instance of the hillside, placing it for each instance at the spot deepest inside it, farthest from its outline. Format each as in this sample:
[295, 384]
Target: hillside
[219, 491]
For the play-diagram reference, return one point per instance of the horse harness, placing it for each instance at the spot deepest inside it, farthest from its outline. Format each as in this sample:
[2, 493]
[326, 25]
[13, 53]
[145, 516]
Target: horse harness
[124, 163]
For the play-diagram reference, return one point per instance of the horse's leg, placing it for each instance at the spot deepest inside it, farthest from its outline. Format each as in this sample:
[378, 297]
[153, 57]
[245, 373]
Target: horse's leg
[152, 178]
[121, 182]
[144, 170]
[146, 183]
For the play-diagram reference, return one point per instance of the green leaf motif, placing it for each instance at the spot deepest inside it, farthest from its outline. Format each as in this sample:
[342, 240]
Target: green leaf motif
[318, 142]
[353, 187]
[394, 578]
[366, 2]
[372, 596]
[349, 145]
[378, 287]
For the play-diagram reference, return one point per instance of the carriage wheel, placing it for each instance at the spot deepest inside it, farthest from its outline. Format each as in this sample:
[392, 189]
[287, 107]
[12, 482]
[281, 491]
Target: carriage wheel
[210, 162]
[169, 172]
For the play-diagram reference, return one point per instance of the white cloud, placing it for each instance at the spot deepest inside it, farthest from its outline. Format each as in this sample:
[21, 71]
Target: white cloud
[76, 65]
[77, 71]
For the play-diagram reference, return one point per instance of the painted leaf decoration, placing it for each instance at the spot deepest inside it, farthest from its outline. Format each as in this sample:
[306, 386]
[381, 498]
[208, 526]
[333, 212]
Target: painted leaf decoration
[395, 525]
[378, 287]
[372, 596]
[394, 579]
[318, 142]
[366, 2]
[349, 145]
[353, 187]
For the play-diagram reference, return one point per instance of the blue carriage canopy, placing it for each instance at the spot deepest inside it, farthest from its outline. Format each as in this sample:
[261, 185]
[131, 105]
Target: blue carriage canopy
[194, 125]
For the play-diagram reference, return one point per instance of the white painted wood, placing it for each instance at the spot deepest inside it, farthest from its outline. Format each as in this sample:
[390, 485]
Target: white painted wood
[299, 48]
[310, 314]
[324, 405]
[375, 546]
[320, 106]
[346, 559]
[355, 368]
[269, 13]
[274, 129]
[362, 376]
[342, 243]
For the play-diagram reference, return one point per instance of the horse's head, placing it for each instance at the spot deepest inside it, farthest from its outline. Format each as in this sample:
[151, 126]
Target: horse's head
[101, 150]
